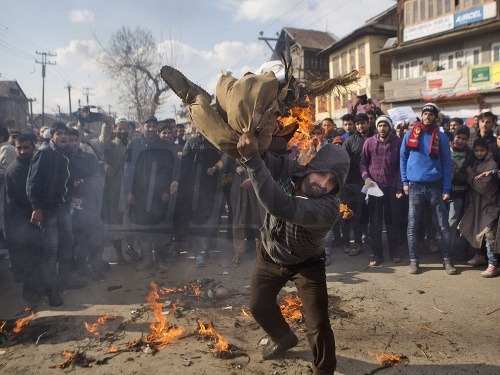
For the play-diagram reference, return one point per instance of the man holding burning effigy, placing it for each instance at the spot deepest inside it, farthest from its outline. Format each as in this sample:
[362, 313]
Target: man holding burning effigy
[300, 201]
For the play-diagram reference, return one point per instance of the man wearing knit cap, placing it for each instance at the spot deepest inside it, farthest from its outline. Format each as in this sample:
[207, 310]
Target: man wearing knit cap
[461, 157]
[426, 176]
[380, 164]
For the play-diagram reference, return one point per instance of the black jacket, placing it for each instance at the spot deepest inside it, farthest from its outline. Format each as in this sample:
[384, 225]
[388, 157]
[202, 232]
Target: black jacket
[354, 145]
[48, 178]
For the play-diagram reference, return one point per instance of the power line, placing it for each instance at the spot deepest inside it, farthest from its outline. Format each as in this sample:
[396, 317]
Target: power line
[283, 15]
[307, 11]
[334, 10]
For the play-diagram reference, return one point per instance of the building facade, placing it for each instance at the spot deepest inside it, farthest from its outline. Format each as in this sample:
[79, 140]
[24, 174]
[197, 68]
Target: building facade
[447, 52]
[356, 52]
[14, 106]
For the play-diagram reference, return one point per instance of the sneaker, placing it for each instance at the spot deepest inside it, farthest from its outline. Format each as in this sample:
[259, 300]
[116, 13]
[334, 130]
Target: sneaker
[54, 298]
[478, 260]
[491, 271]
[328, 260]
[181, 86]
[414, 267]
[200, 261]
[449, 268]
[358, 248]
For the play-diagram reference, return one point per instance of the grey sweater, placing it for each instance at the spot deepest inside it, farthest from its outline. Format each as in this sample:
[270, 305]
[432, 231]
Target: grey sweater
[295, 226]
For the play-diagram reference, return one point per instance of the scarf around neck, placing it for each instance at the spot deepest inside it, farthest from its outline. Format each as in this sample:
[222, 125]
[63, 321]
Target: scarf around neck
[414, 137]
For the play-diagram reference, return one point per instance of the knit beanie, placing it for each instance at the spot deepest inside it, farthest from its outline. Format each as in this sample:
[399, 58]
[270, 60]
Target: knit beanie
[462, 129]
[431, 107]
[385, 119]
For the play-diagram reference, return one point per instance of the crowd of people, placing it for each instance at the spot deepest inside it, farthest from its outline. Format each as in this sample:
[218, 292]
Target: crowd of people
[153, 192]
[434, 187]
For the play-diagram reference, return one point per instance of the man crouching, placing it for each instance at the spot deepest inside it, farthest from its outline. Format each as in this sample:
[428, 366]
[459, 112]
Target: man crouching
[301, 207]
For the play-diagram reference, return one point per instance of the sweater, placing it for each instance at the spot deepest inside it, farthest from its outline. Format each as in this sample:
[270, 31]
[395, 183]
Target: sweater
[419, 166]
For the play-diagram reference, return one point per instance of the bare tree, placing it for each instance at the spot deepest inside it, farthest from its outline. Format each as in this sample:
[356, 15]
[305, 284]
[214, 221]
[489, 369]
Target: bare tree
[132, 61]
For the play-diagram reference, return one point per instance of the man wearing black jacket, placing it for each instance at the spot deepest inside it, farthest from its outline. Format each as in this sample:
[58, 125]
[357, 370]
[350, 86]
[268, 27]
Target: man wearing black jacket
[354, 182]
[23, 238]
[48, 191]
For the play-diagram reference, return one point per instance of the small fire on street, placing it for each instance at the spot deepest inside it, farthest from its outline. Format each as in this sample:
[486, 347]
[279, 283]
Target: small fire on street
[93, 328]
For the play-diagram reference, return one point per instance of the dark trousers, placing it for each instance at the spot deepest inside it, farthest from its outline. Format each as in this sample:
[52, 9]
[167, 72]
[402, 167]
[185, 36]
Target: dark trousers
[386, 210]
[57, 239]
[268, 278]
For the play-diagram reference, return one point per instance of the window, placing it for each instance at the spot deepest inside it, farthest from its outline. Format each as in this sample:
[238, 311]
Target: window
[413, 68]
[415, 11]
[460, 58]
[352, 58]
[407, 14]
[361, 59]
[343, 62]
[336, 66]
[495, 52]
[422, 10]
[447, 6]
[439, 8]
[430, 14]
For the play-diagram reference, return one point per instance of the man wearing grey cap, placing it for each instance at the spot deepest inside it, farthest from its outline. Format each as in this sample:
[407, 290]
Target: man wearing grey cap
[426, 175]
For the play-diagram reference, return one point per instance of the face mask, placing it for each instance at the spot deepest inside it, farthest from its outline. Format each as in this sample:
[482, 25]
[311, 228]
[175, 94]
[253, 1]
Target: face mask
[122, 136]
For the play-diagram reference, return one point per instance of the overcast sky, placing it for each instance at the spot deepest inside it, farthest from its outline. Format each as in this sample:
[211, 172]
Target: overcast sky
[200, 37]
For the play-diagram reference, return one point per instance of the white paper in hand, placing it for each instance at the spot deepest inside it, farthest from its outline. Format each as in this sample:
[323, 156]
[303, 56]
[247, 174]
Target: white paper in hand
[374, 191]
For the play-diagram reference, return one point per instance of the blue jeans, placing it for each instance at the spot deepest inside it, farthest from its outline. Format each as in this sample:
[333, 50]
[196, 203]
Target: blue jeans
[430, 192]
[57, 239]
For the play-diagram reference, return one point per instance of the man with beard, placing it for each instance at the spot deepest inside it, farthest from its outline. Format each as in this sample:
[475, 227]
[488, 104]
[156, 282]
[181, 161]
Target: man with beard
[111, 214]
[296, 223]
[49, 193]
[147, 176]
[354, 183]
[426, 175]
[380, 164]
[23, 238]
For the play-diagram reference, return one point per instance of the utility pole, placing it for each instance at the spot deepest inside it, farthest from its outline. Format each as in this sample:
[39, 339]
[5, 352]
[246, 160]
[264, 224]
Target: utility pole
[109, 109]
[86, 92]
[44, 62]
[68, 86]
[265, 39]
[59, 109]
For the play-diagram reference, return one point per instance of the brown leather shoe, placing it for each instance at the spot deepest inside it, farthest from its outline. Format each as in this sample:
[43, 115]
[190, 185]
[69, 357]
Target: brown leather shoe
[278, 348]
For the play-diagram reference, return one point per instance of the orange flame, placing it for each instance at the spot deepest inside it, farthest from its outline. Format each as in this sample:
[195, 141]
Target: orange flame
[194, 287]
[386, 359]
[112, 349]
[346, 212]
[290, 308]
[245, 311]
[21, 323]
[162, 332]
[2, 324]
[304, 119]
[208, 331]
[93, 328]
